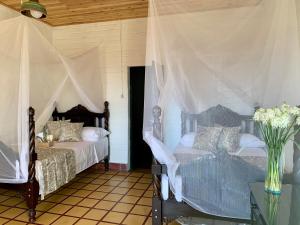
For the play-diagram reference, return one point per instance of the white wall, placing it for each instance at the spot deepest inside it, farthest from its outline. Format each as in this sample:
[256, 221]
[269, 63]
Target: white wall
[77, 39]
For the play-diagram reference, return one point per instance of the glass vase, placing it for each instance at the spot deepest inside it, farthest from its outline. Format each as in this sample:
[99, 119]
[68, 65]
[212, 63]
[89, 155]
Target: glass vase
[274, 174]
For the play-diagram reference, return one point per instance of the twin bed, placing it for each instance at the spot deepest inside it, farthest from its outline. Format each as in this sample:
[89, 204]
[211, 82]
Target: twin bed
[198, 183]
[51, 168]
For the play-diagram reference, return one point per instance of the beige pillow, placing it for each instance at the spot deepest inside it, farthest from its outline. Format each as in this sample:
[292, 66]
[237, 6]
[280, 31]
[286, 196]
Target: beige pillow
[229, 139]
[71, 132]
[207, 138]
[54, 127]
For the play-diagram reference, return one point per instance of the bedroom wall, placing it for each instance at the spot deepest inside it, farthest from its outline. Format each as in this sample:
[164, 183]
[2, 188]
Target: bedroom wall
[76, 39]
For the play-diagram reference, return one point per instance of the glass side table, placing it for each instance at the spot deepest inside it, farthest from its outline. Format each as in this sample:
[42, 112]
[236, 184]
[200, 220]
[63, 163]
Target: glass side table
[268, 209]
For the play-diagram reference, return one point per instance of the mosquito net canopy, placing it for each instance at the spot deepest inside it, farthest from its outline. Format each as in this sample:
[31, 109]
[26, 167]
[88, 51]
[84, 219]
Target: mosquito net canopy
[210, 63]
[33, 73]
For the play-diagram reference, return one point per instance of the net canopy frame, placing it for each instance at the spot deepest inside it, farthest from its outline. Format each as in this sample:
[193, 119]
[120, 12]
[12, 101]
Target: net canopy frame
[35, 79]
[234, 55]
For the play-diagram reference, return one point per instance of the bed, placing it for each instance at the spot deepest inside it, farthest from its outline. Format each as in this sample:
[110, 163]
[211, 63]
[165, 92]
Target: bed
[84, 154]
[168, 203]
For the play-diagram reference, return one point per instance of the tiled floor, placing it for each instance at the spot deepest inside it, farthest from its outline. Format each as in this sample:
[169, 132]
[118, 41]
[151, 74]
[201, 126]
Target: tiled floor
[94, 197]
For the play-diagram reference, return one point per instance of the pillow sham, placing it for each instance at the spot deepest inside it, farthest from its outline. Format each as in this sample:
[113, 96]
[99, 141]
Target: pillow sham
[251, 141]
[188, 139]
[54, 127]
[207, 138]
[93, 134]
[229, 139]
[70, 132]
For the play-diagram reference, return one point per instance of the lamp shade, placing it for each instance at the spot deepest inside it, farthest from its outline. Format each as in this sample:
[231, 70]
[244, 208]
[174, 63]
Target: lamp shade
[33, 8]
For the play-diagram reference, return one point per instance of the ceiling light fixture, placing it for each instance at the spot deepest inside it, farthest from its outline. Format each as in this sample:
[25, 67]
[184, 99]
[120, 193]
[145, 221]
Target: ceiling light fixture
[33, 8]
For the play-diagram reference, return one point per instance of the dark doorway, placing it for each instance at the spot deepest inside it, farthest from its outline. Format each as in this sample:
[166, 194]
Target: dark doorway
[140, 153]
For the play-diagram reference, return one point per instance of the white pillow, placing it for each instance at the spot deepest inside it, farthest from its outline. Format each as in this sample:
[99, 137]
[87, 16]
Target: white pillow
[188, 139]
[93, 134]
[251, 141]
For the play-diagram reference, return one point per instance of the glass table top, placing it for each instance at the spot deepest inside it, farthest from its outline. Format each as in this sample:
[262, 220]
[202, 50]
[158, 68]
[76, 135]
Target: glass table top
[281, 209]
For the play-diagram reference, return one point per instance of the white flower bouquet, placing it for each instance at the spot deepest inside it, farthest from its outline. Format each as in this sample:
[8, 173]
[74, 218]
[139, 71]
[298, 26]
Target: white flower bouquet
[277, 126]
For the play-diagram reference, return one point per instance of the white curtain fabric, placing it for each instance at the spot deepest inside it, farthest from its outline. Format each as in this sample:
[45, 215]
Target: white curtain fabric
[33, 73]
[239, 54]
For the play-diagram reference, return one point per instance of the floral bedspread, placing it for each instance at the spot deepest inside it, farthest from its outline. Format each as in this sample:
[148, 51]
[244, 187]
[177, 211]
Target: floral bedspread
[54, 168]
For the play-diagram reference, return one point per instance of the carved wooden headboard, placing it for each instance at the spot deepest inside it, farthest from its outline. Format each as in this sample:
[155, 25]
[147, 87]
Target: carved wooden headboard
[217, 115]
[81, 114]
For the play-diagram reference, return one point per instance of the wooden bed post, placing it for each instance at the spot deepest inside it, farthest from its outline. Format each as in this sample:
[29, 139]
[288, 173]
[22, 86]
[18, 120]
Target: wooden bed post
[106, 127]
[157, 218]
[32, 186]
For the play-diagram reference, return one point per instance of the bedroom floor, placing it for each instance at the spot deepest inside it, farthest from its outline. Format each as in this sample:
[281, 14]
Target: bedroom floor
[94, 197]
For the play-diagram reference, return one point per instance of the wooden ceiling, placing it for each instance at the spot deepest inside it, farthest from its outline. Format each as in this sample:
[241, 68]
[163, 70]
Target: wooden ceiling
[67, 12]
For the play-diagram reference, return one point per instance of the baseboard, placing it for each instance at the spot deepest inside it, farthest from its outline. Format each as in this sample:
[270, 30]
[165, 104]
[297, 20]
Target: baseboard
[116, 166]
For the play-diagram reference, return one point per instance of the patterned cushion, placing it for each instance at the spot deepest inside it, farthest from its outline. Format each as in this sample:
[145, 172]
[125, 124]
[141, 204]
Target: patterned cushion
[229, 139]
[54, 127]
[71, 132]
[207, 138]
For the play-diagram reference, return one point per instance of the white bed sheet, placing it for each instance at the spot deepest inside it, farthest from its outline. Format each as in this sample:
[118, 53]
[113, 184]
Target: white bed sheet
[86, 153]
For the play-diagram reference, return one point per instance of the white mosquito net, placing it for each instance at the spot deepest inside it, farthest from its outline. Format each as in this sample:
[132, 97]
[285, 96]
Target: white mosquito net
[210, 63]
[33, 73]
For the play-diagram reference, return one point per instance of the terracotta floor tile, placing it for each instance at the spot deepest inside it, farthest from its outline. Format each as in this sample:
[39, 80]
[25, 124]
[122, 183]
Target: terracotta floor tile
[120, 190]
[122, 207]
[77, 211]
[126, 184]
[86, 180]
[107, 205]
[67, 191]
[134, 220]
[12, 202]
[148, 194]
[141, 210]
[97, 195]
[99, 181]
[24, 216]
[46, 218]
[60, 209]
[145, 201]
[136, 192]
[3, 198]
[141, 186]
[132, 179]
[12, 213]
[88, 202]
[114, 217]
[149, 221]
[119, 178]
[86, 222]
[113, 183]
[45, 206]
[56, 198]
[91, 187]
[145, 180]
[3, 221]
[65, 220]
[82, 193]
[3, 208]
[129, 199]
[72, 200]
[95, 214]
[16, 223]
[113, 197]
[89, 199]
[105, 188]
